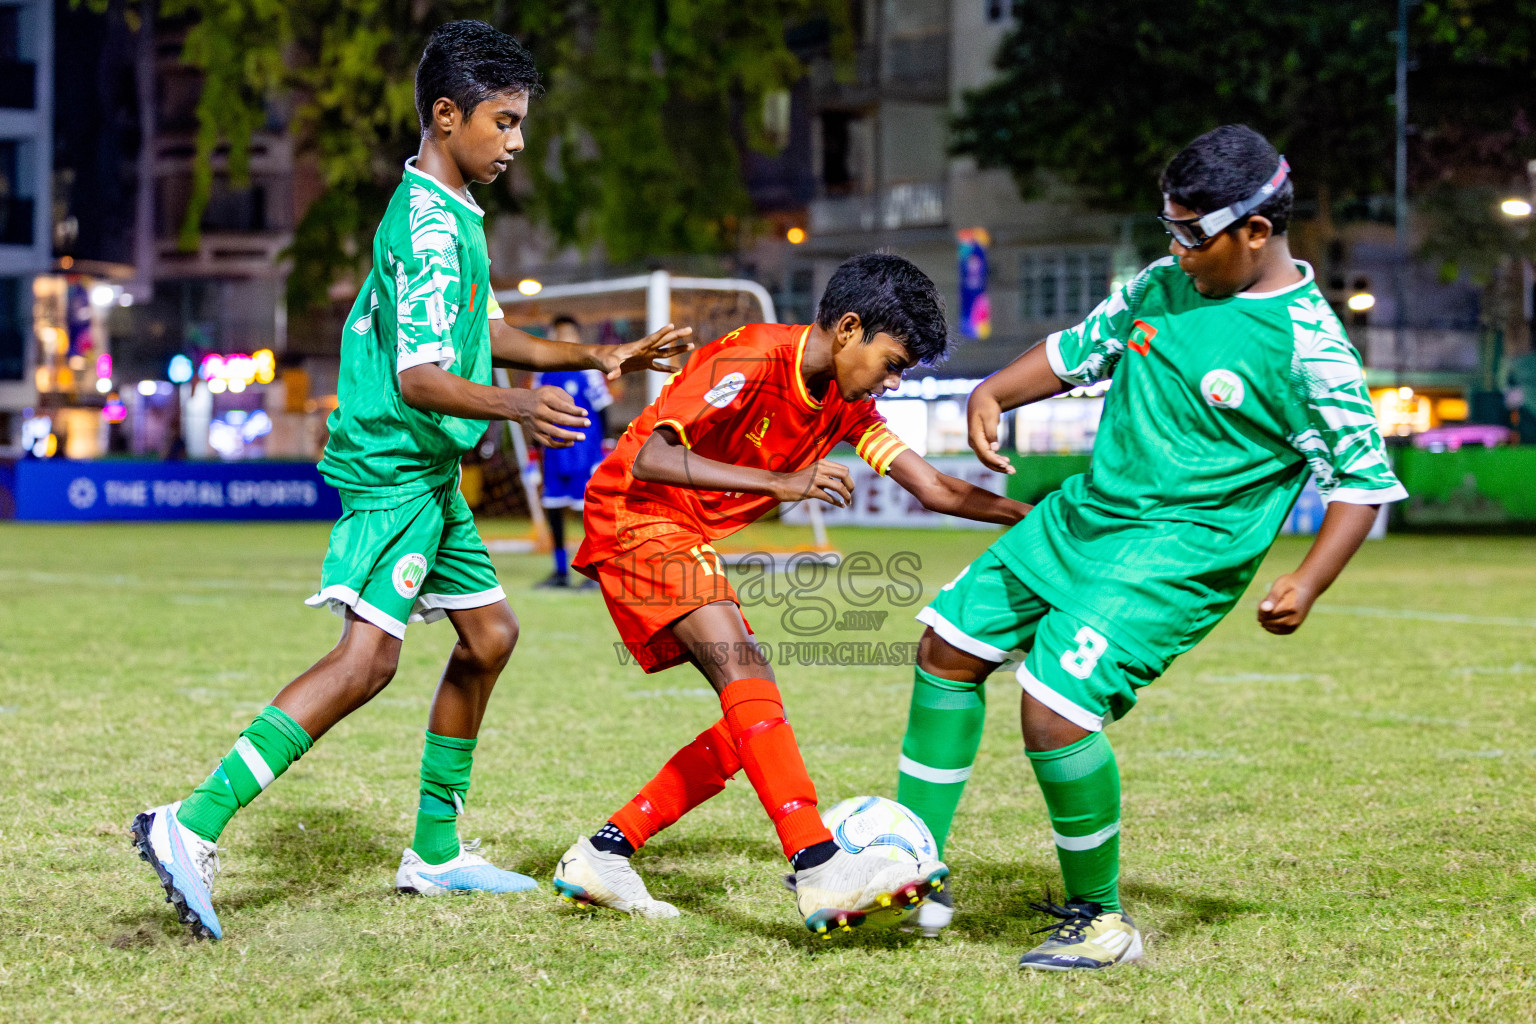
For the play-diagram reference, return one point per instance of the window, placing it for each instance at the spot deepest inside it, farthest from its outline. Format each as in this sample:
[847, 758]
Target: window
[15, 330]
[795, 300]
[839, 156]
[999, 10]
[1054, 284]
[18, 72]
[15, 194]
[236, 209]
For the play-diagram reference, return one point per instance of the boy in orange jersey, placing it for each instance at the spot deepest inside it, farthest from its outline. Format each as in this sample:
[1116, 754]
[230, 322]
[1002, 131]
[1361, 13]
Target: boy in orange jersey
[746, 425]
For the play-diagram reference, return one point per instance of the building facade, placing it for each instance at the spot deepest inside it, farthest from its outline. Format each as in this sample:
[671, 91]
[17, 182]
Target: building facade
[868, 158]
[106, 297]
[26, 172]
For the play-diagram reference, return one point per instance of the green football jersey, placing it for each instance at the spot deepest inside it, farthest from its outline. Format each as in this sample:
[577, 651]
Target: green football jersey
[426, 300]
[1216, 411]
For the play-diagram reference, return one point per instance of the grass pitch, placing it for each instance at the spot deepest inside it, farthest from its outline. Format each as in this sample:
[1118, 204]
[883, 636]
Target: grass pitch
[1335, 826]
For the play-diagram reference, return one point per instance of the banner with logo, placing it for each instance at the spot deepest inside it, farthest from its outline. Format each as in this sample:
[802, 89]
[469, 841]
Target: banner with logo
[61, 490]
[880, 501]
[975, 307]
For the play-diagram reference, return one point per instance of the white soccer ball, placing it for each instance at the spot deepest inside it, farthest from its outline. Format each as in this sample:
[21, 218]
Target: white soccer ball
[880, 826]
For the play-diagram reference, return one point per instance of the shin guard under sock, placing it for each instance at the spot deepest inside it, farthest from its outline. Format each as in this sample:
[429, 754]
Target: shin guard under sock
[692, 776]
[944, 729]
[754, 713]
[263, 752]
[1081, 784]
[445, 766]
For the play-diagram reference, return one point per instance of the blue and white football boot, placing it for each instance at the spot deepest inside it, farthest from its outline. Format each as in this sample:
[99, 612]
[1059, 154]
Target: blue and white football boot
[468, 872]
[185, 864]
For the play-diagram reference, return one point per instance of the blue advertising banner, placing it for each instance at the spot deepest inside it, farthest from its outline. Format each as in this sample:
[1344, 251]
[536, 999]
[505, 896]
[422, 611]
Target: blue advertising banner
[975, 307]
[59, 490]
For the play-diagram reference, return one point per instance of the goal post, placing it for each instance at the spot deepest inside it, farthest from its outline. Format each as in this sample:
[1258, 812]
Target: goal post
[654, 298]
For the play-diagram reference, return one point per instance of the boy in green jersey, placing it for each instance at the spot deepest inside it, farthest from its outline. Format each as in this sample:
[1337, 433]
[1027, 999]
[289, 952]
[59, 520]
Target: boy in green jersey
[415, 394]
[1231, 381]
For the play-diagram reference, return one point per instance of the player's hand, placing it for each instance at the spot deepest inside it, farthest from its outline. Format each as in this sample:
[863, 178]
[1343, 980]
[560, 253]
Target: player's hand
[659, 351]
[1285, 607]
[548, 414]
[830, 481]
[983, 414]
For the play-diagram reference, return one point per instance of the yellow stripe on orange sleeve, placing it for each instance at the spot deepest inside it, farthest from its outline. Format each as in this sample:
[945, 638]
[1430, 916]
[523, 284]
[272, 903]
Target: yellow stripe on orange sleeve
[863, 446]
[875, 444]
[895, 453]
[880, 455]
[876, 436]
[883, 451]
[681, 431]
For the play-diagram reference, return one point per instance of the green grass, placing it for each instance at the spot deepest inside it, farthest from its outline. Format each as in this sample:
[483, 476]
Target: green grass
[1335, 826]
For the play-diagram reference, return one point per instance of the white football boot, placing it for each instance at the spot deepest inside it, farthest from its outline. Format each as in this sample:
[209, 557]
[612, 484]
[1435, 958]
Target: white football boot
[468, 872]
[933, 916]
[851, 889]
[184, 862]
[588, 876]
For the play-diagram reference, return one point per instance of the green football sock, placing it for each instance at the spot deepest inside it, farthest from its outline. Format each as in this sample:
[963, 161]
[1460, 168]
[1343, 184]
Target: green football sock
[943, 734]
[445, 764]
[1081, 784]
[263, 752]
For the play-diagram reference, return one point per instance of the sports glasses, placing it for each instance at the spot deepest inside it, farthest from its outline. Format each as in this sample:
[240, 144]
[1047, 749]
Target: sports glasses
[1197, 232]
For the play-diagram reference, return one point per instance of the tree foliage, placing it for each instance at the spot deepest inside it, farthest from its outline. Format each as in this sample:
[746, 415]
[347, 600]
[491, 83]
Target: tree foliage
[635, 146]
[1476, 132]
[1103, 94]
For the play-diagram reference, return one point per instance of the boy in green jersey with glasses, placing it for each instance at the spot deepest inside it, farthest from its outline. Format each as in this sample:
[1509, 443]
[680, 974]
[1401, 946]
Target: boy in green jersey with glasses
[1231, 381]
[415, 394]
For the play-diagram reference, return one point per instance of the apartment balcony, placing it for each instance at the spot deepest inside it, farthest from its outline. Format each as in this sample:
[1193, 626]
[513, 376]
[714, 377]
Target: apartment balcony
[911, 205]
[1419, 349]
[916, 68]
[225, 254]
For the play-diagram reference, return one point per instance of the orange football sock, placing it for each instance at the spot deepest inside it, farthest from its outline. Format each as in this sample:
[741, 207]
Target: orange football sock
[765, 743]
[692, 776]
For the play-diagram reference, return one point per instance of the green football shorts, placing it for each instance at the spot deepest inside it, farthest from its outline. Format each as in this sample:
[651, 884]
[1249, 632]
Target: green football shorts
[1067, 665]
[411, 563]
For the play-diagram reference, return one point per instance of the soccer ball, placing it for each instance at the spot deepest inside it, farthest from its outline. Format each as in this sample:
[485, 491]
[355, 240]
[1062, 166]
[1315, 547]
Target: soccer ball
[880, 826]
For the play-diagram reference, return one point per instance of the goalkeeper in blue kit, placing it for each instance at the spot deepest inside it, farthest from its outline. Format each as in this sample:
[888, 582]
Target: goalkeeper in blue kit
[1232, 379]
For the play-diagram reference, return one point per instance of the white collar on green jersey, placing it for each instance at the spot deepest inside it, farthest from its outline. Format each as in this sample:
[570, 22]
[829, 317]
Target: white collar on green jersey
[463, 197]
[1306, 279]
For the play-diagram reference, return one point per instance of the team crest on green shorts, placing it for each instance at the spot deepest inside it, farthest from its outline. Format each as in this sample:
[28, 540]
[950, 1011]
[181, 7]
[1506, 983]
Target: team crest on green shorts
[408, 574]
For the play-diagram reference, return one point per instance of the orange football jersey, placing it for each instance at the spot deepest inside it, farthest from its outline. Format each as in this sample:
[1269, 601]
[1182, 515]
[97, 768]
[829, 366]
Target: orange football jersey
[740, 400]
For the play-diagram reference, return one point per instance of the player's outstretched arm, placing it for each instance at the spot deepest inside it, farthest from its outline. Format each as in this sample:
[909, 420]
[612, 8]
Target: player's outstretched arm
[1029, 378]
[1344, 529]
[940, 492]
[664, 459]
[547, 413]
[520, 350]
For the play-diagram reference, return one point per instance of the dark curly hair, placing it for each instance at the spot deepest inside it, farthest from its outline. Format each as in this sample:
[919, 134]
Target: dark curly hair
[892, 296]
[1224, 166]
[469, 62]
